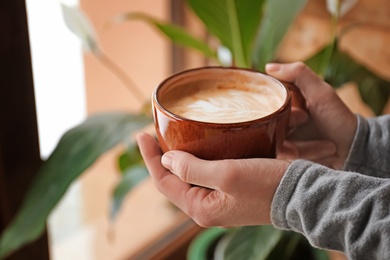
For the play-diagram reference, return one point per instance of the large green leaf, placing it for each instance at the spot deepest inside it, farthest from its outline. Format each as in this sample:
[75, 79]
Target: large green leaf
[130, 178]
[75, 152]
[201, 246]
[295, 246]
[130, 157]
[267, 242]
[259, 242]
[133, 171]
[175, 33]
[341, 69]
[278, 17]
[319, 63]
[233, 22]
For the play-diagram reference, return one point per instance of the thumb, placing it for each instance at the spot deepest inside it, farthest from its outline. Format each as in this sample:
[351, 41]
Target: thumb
[191, 169]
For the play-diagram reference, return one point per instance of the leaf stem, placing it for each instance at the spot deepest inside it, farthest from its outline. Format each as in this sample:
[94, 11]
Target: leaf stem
[238, 49]
[332, 45]
[122, 75]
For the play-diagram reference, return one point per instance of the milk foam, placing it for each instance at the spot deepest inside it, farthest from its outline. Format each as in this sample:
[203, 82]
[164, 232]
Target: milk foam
[226, 104]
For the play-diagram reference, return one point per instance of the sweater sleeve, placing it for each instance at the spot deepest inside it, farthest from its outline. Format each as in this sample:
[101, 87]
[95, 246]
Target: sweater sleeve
[335, 210]
[370, 151]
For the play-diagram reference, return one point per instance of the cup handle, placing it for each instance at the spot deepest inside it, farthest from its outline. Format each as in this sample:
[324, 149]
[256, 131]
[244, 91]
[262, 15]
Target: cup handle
[297, 99]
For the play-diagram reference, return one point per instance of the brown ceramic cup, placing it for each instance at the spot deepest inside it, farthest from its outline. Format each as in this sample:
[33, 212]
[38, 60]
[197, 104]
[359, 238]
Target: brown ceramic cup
[222, 134]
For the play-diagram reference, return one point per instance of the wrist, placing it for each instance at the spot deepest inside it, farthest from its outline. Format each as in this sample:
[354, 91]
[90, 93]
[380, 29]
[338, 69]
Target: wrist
[281, 167]
[285, 192]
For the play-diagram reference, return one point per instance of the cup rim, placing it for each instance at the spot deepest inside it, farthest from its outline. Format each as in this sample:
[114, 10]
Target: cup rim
[266, 118]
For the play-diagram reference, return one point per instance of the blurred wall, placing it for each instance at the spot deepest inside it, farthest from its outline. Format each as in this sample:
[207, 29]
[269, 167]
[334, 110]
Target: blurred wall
[133, 45]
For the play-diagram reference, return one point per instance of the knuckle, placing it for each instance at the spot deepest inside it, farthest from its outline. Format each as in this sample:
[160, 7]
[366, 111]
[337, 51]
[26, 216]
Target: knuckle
[300, 66]
[205, 213]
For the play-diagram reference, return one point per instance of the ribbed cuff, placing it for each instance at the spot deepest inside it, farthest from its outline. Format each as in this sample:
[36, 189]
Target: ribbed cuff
[358, 145]
[285, 192]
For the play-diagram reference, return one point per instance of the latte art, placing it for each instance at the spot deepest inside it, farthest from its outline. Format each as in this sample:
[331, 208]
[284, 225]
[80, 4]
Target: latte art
[226, 104]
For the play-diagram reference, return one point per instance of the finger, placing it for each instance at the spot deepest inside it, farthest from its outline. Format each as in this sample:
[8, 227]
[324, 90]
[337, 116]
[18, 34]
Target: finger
[298, 117]
[151, 154]
[311, 85]
[308, 150]
[330, 161]
[193, 170]
[166, 182]
[322, 102]
[307, 131]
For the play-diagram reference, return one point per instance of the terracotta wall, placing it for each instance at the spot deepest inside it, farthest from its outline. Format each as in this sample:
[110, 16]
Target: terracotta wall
[133, 45]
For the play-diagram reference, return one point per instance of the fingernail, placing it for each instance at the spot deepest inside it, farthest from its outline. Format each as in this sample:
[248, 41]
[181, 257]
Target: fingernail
[272, 67]
[167, 159]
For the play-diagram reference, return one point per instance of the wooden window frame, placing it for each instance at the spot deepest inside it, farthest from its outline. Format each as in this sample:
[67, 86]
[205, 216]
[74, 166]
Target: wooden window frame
[19, 144]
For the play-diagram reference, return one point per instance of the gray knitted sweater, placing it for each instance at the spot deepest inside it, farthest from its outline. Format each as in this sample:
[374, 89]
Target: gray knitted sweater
[348, 210]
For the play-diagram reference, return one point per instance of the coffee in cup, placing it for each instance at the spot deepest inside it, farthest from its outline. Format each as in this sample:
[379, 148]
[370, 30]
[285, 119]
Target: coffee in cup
[221, 113]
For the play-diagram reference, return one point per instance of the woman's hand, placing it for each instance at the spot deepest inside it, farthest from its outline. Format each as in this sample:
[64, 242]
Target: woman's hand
[214, 193]
[324, 133]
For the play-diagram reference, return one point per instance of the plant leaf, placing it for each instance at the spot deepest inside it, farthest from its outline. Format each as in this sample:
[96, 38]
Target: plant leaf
[130, 178]
[75, 152]
[175, 33]
[316, 62]
[374, 92]
[200, 246]
[320, 254]
[129, 158]
[341, 69]
[233, 22]
[295, 246]
[79, 24]
[133, 171]
[259, 242]
[278, 16]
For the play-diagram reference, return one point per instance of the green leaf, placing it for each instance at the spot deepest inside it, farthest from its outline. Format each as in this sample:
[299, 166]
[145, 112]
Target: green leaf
[374, 91]
[320, 254]
[233, 22]
[319, 63]
[203, 243]
[175, 33]
[341, 69]
[75, 152]
[130, 178]
[278, 16]
[259, 242]
[295, 246]
[130, 157]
